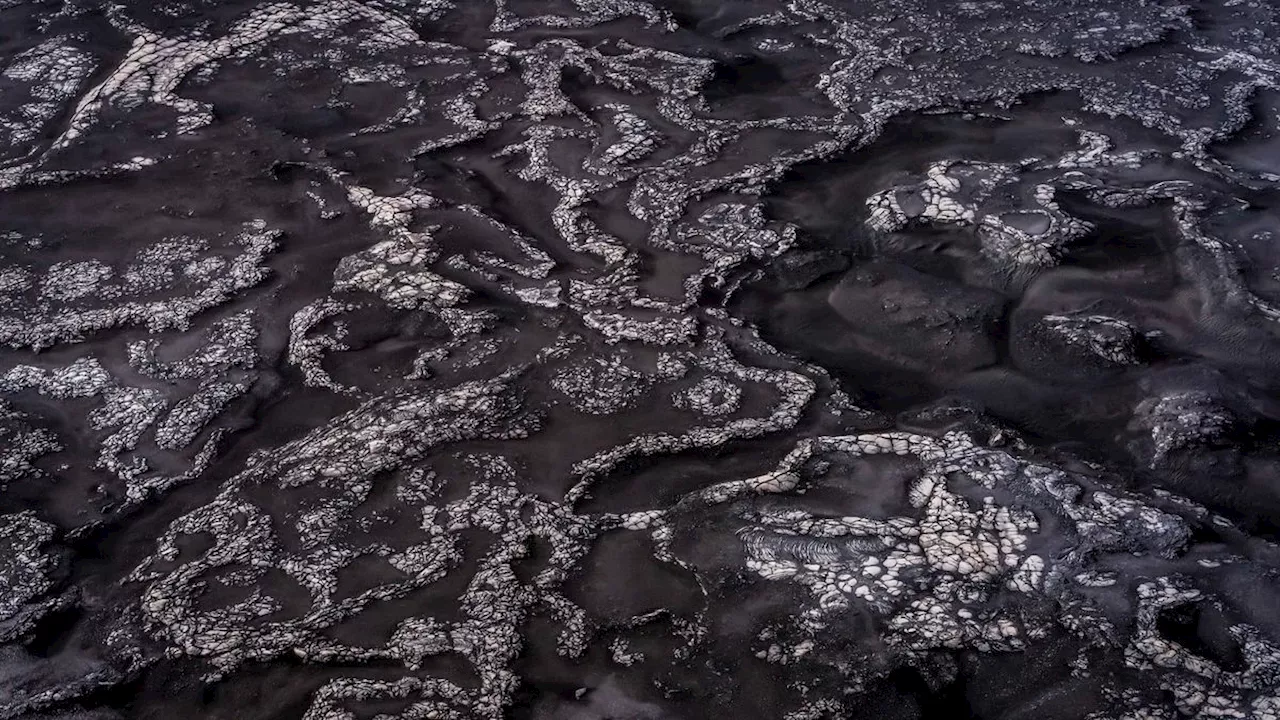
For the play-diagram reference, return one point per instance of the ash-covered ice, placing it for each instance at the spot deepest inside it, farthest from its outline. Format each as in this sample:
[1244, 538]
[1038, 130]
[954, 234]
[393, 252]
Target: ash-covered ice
[622, 359]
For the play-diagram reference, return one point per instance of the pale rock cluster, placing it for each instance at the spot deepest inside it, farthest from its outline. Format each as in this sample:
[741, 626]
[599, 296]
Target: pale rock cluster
[28, 573]
[711, 396]
[931, 579]
[70, 306]
[636, 139]
[1029, 235]
[340, 461]
[601, 386]
[1180, 420]
[20, 445]
[1113, 340]
[52, 73]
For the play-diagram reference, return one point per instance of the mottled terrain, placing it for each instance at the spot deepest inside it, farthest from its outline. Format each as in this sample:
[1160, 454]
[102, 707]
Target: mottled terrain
[639, 360]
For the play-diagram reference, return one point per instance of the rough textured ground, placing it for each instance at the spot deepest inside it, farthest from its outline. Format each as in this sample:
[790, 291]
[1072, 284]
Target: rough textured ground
[628, 360]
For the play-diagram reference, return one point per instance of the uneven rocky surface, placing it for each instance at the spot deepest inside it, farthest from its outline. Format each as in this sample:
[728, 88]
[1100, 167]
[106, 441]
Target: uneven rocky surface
[639, 359]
